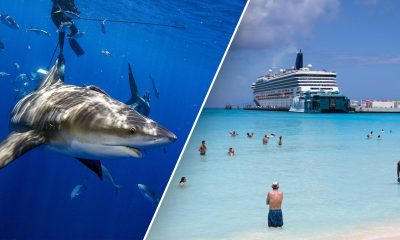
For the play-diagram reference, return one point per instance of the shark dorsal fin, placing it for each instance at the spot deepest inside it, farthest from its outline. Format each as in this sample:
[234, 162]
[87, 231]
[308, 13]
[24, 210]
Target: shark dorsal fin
[55, 74]
[133, 86]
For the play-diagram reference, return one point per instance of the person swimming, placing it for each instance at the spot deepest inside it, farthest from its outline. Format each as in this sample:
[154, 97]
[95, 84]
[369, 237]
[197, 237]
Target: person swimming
[265, 139]
[203, 148]
[233, 133]
[60, 19]
[250, 135]
[182, 182]
[231, 152]
[379, 137]
[368, 136]
[280, 141]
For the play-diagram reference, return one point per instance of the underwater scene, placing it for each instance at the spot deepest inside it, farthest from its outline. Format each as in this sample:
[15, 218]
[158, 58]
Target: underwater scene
[91, 133]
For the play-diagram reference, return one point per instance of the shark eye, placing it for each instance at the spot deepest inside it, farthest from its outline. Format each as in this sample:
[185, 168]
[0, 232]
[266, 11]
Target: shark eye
[132, 130]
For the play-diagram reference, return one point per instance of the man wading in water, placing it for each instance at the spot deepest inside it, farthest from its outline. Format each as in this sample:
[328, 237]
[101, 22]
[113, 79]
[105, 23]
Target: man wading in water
[274, 200]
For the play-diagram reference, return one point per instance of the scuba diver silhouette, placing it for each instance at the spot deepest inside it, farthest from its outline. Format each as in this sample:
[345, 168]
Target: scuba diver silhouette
[62, 14]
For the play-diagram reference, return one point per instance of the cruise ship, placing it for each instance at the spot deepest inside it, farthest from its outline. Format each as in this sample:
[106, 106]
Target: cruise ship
[300, 89]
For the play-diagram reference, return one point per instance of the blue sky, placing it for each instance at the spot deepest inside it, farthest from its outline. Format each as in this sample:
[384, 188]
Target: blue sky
[358, 39]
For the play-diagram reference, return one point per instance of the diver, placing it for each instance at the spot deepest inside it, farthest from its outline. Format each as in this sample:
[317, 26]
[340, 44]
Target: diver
[62, 21]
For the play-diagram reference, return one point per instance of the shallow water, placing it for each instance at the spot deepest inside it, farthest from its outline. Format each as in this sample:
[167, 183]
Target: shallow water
[334, 180]
[35, 190]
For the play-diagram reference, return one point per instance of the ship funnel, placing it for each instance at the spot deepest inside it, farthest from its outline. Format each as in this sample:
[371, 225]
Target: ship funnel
[299, 60]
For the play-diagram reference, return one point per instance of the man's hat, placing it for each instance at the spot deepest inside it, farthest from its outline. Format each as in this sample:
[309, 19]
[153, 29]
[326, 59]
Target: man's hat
[275, 185]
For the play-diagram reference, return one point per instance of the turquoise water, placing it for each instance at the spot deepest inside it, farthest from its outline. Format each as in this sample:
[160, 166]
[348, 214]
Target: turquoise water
[333, 178]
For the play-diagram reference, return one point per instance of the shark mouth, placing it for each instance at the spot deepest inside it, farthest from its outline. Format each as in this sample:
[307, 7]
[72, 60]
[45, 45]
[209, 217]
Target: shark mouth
[135, 151]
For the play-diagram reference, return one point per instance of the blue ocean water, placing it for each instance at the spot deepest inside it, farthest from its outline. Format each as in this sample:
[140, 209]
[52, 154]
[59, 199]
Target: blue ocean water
[334, 180]
[35, 190]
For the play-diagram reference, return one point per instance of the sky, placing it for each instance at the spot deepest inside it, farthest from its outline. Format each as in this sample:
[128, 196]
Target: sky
[357, 39]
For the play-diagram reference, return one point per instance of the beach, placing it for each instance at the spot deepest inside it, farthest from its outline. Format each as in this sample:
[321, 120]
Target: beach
[336, 183]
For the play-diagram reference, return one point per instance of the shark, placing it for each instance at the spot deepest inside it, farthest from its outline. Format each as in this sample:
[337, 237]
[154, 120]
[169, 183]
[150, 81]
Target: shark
[136, 102]
[82, 122]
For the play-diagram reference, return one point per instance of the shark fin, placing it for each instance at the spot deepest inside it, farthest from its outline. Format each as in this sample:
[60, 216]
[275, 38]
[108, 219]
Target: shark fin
[16, 144]
[54, 75]
[132, 84]
[94, 165]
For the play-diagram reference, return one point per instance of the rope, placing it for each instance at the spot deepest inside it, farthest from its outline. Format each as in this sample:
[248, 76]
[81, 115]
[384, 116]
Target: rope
[133, 22]
[52, 56]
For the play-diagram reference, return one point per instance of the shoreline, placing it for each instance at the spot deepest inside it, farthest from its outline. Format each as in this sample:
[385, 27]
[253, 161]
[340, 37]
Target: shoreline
[389, 230]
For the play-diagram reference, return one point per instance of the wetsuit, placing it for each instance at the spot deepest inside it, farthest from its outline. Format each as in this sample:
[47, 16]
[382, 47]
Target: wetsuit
[58, 17]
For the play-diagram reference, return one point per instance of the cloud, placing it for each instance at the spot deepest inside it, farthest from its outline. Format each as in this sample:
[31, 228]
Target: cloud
[269, 23]
[368, 59]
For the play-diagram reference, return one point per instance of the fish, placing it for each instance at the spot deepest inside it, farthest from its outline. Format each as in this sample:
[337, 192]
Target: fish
[8, 21]
[82, 122]
[70, 14]
[16, 65]
[106, 53]
[103, 26]
[1, 45]
[108, 175]
[79, 34]
[156, 93]
[64, 26]
[77, 190]
[4, 74]
[136, 102]
[38, 31]
[148, 193]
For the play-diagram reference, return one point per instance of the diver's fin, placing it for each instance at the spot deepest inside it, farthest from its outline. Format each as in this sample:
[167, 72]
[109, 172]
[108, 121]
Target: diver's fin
[133, 86]
[54, 75]
[76, 47]
[94, 165]
[16, 144]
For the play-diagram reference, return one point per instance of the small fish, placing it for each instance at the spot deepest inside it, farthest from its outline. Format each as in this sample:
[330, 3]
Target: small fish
[64, 26]
[103, 26]
[106, 53]
[148, 193]
[108, 175]
[79, 34]
[38, 31]
[8, 21]
[78, 189]
[70, 14]
[1, 45]
[4, 74]
[156, 93]
[16, 65]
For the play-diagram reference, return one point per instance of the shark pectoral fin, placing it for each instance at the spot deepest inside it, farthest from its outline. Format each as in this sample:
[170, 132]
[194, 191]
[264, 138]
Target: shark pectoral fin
[94, 165]
[16, 144]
